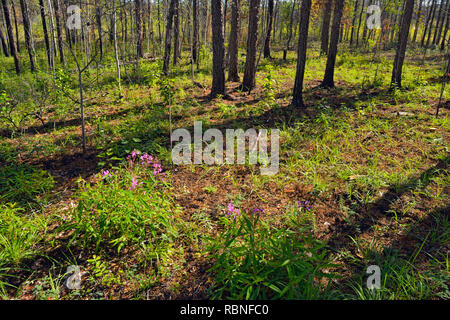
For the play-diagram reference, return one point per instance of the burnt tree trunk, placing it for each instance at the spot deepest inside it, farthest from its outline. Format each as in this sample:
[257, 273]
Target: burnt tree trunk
[218, 44]
[139, 30]
[250, 62]
[27, 32]
[403, 36]
[4, 43]
[168, 41]
[328, 80]
[269, 29]
[44, 29]
[195, 31]
[301, 60]
[58, 17]
[326, 26]
[233, 42]
[176, 32]
[9, 30]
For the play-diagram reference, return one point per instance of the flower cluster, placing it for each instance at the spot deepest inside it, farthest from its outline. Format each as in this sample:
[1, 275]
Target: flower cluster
[258, 211]
[304, 205]
[146, 160]
[232, 211]
[134, 183]
[105, 174]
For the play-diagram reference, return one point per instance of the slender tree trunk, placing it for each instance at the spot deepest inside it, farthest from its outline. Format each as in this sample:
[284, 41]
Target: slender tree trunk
[59, 30]
[13, 7]
[4, 43]
[139, 32]
[176, 32]
[269, 29]
[44, 28]
[325, 26]
[427, 23]
[431, 25]
[116, 49]
[195, 31]
[250, 62]
[444, 35]
[218, 44]
[360, 22]
[291, 23]
[10, 33]
[168, 41]
[233, 44]
[98, 18]
[328, 80]
[416, 28]
[355, 14]
[438, 21]
[301, 60]
[442, 23]
[27, 32]
[403, 37]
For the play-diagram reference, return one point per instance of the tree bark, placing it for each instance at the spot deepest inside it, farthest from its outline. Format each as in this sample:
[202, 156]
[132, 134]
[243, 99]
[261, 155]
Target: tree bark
[301, 60]
[139, 32]
[355, 14]
[4, 43]
[9, 30]
[444, 35]
[195, 31]
[44, 28]
[233, 44]
[250, 62]
[13, 7]
[291, 23]
[326, 26]
[269, 29]
[59, 30]
[328, 80]
[27, 32]
[416, 28]
[218, 75]
[176, 32]
[402, 42]
[168, 41]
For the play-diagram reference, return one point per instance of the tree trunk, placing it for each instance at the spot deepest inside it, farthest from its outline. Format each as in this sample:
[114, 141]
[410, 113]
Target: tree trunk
[444, 35]
[4, 44]
[27, 32]
[359, 23]
[438, 21]
[269, 29]
[13, 7]
[218, 74]
[443, 21]
[301, 60]
[403, 36]
[326, 26]
[59, 30]
[328, 80]
[98, 18]
[250, 62]
[195, 31]
[10, 33]
[355, 14]
[416, 28]
[291, 23]
[233, 44]
[44, 28]
[139, 32]
[168, 41]
[430, 27]
[176, 32]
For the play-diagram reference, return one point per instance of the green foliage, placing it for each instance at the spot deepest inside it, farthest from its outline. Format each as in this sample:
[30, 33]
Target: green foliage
[130, 207]
[24, 184]
[19, 234]
[254, 260]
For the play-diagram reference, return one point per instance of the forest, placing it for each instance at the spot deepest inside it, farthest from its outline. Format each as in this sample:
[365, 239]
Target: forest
[119, 121]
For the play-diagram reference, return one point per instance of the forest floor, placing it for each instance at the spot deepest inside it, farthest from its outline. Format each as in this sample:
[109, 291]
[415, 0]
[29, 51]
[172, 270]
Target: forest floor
[372, 163]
